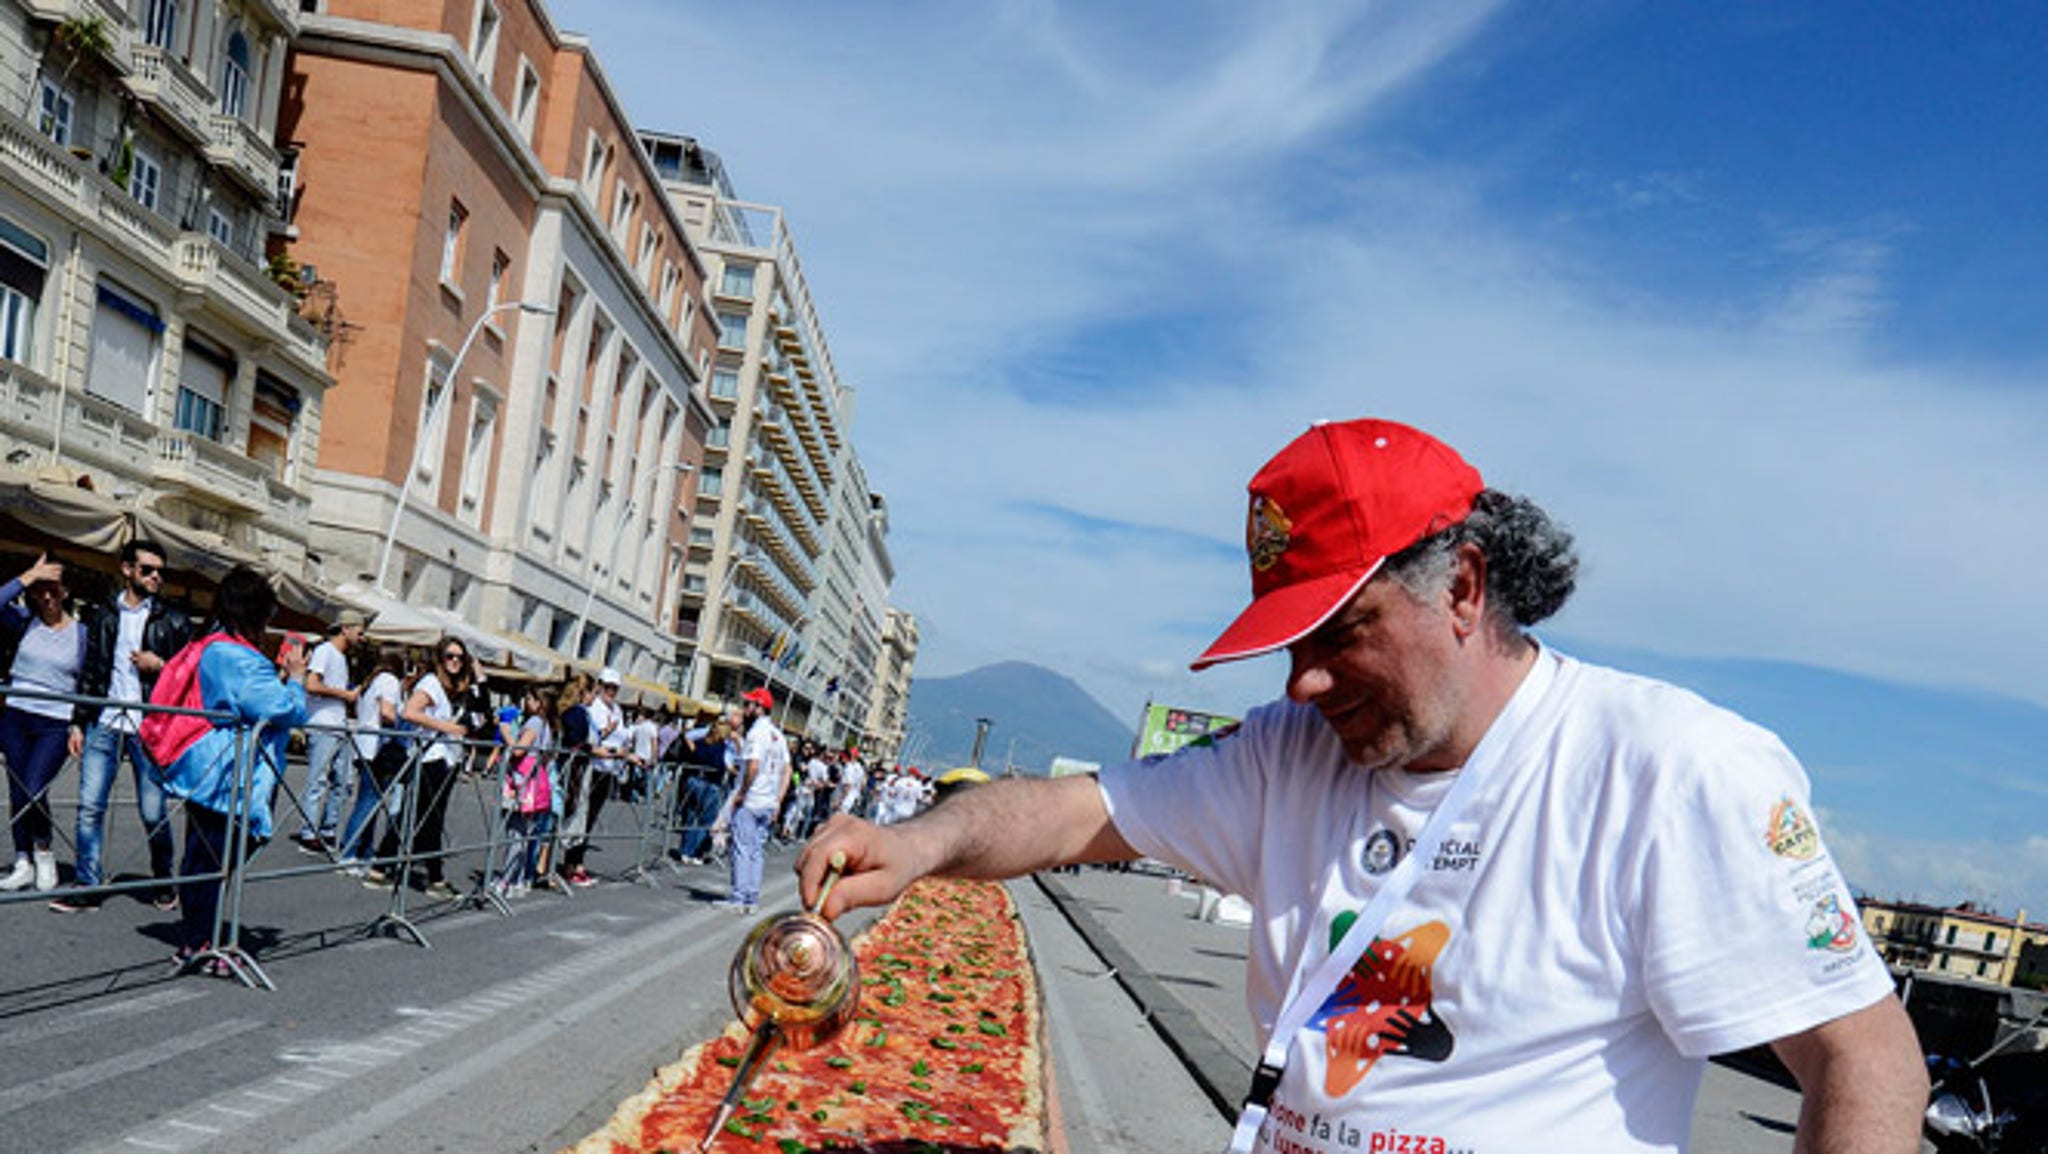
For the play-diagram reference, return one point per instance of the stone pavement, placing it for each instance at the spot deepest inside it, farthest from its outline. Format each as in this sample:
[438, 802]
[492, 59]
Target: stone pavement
[1187, 977]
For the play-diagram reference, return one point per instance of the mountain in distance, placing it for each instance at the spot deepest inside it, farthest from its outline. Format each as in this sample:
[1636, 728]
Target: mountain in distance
[1038, 715]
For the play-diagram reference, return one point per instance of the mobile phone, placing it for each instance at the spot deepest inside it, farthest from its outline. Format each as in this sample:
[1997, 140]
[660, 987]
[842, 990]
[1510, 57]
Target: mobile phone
[294, 646]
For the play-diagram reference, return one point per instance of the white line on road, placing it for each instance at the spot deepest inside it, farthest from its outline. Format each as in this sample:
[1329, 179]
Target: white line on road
[79, 1078]
[96, 1016]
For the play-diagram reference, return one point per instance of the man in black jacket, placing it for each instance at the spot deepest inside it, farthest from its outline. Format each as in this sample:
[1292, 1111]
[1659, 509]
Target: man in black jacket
[128, 639]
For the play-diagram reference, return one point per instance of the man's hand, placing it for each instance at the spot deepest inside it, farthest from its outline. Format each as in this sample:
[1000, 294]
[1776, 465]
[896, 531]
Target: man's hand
[146, 663]
[881, 862]
[74, 742]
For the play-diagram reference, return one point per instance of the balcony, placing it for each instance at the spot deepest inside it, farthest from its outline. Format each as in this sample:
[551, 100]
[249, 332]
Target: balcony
[234, 287]
[110, 11]
[31, 160]
[240, 151]
[162, 80]
[211, 473]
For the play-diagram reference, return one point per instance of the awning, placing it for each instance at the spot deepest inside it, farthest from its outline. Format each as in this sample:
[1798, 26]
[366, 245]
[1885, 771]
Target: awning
[82, 519]
[408, 624]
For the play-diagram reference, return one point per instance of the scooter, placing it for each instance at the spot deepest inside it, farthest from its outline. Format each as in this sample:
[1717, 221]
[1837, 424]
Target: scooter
[1997, 1105]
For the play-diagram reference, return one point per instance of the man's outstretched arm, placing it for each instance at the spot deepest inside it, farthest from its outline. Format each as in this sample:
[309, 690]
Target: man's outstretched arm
[1864, 1081]
[999, 830]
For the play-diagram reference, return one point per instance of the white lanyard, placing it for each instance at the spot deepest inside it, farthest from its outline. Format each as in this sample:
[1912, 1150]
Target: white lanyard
[1306, 997]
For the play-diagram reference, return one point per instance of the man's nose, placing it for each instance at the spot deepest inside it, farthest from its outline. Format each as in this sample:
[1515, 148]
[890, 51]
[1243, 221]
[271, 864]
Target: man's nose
[1307, 677]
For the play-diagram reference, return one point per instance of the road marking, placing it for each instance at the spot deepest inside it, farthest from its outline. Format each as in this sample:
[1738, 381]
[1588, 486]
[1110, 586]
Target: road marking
[423, 1025]
[92, 1074]
[96, 1016]
[192, 1126]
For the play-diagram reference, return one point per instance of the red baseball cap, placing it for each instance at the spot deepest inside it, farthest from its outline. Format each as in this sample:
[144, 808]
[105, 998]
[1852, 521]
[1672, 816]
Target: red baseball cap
[1326, 512]
[760, 697]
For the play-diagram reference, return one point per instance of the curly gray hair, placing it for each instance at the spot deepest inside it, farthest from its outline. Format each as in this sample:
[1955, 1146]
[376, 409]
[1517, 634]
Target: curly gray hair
[1531, 568]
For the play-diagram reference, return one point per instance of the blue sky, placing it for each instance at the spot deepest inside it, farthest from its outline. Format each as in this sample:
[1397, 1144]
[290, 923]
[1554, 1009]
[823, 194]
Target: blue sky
[1748, 298]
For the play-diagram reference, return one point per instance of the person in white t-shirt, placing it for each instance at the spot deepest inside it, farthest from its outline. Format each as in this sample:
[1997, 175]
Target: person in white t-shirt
[1624, 881]
[853, 781]
[764, 775]
[330, 693]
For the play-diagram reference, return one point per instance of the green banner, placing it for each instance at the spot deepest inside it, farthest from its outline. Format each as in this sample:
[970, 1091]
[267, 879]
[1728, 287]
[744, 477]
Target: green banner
[1166, 728]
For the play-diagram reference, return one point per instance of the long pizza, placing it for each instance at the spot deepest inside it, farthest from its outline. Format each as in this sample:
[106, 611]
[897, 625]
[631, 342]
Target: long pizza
[943, 1057]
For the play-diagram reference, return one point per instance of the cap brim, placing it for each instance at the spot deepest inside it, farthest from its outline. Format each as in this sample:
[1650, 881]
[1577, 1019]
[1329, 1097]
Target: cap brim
[1283, 617]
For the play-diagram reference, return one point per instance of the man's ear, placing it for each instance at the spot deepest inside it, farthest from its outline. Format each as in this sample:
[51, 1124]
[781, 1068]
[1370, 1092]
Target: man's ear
[1467, 591]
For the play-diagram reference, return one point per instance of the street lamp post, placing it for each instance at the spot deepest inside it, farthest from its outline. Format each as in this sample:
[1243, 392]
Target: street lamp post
[618, 531]
[427, 422]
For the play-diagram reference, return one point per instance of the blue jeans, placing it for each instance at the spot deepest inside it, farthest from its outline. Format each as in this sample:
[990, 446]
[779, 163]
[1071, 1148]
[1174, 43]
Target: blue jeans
[357, 832]
[98, 763]
[749, 839]
[329, 753]
[700, 808]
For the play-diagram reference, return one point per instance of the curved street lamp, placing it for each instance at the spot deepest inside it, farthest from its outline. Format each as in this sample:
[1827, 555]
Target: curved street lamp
[419, 444]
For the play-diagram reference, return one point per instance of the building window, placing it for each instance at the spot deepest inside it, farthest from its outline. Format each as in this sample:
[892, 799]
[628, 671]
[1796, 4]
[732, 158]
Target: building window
[622, 212]
[451, 243]
[24, 266]
[53, 116]
[483, 40]
[732, 330]
[234, 77]
[1951, 939]
[737, 281]
[526, 101]
[712, 483]
[160, 24]
[725, 383]
[272, 415]
[671, 277]
[432, 435]
[596, 160]
[219, 227]
[145, 177]
[495, 291]
[476, 458]
[650, 244]
[203, 379]
[126, 333]
[719, 435]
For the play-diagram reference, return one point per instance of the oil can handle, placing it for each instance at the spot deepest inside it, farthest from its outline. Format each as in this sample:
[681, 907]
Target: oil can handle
[833, 869]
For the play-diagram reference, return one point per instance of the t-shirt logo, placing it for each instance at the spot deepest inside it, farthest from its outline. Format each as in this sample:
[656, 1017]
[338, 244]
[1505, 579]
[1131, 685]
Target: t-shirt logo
[1382, 852]
[1830, 927]
[1266, 533]
[1790, 832]
[1383, 1006]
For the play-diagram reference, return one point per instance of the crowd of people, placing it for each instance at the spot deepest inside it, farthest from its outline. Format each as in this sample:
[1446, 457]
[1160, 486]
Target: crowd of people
[376, 721]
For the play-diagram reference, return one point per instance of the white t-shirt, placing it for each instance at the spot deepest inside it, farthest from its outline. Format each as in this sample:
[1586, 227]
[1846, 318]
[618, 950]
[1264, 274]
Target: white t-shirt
[383, 686]
[441, 746]
[765, 746]
[606, 730]
[852, 778]
[644, 735]
[1639, 886]
[331, 664]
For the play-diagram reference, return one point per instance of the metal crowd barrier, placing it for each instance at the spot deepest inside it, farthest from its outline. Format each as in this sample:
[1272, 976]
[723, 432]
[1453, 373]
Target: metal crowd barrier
[657, 807]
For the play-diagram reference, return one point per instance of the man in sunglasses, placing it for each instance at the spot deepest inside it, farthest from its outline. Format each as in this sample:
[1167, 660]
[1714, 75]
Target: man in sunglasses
[127, 640]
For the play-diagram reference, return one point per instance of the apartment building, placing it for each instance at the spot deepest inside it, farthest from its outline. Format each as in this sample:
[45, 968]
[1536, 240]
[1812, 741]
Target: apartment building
[786, 581]
[1961, 941]
[889, 703]
[518, 424]
[145, 349]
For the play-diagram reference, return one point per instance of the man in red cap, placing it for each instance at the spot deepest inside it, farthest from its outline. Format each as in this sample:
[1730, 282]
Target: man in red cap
[764, 776]
[1502, 900]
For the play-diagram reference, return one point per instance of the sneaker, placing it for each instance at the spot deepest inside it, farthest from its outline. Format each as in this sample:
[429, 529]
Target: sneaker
[582, 879]
[165, 900]
[75, 904]
[46, 871]
[376, 879]
[442, 890]
[354, 869]
[20, 876]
